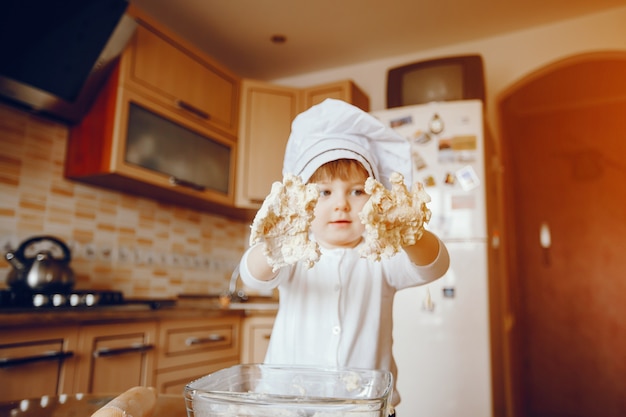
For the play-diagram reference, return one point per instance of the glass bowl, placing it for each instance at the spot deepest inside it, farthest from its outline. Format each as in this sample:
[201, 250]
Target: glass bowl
[288, 391]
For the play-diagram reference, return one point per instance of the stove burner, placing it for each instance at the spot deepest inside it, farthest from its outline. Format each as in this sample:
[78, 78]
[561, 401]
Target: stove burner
[59, 299]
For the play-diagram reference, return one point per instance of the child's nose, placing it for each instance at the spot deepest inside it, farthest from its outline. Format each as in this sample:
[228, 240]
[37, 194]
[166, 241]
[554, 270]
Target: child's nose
[342, 203]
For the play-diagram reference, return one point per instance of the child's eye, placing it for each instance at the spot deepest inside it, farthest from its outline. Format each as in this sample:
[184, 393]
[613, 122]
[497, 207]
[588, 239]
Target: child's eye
[358, 192]
[324, 193]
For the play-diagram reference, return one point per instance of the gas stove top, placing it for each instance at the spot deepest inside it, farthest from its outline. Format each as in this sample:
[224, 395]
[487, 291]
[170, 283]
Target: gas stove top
[12, 300]
[59, 299]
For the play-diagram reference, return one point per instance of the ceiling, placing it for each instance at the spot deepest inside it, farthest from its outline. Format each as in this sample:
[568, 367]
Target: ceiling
[323, 34]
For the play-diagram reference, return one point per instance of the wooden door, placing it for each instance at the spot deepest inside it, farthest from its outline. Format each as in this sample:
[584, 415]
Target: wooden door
[116, 357]
[564, 143]
[36, 362]
[267, 111]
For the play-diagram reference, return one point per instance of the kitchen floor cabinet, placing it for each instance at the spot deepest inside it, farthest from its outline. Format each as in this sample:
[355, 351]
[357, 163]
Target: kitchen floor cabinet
[115, 357]
[267, 111]
[256, 330]
[36, 362]
[189, 349]
[164, 126]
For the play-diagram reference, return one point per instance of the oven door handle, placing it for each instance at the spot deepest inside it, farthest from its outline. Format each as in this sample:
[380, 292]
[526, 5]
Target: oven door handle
[47, 356]
[135, 348]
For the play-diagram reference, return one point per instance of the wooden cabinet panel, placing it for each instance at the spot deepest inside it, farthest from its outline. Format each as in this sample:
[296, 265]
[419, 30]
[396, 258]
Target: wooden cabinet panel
[189, 349]
[116, 357]
[166, 67]
[257, 331]
[36, 362]
[267, 111]
[190, 342]
[345, 90]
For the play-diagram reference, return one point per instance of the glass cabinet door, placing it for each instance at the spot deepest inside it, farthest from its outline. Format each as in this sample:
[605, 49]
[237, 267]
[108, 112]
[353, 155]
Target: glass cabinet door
[188, 158]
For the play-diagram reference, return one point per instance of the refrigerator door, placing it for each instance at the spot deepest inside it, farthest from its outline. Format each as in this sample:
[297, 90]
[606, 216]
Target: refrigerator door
[447, 142]
[441, 340]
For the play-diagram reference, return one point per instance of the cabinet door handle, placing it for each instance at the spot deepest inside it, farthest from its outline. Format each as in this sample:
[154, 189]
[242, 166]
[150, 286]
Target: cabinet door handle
[190, 341]
[192, 109]
[134, 348]
[185, 183]
[47, 356]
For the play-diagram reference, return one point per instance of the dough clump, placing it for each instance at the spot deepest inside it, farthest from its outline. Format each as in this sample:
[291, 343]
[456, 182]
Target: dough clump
[283, 222]
[393, 218]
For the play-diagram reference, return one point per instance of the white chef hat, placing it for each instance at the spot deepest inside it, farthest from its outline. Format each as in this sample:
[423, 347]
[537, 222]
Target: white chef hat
[335, 130]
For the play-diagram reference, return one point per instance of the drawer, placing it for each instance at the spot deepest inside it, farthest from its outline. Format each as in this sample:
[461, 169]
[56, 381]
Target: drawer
[192, 342]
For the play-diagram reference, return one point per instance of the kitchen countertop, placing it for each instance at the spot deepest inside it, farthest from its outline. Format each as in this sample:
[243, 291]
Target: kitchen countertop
[184, 307]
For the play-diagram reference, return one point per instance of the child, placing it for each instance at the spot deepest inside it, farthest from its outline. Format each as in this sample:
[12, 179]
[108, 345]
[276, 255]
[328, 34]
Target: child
[338, 313]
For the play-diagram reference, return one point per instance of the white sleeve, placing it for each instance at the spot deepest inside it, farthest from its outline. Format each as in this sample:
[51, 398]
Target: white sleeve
[437, 268]
[252, 282]
[402, 273]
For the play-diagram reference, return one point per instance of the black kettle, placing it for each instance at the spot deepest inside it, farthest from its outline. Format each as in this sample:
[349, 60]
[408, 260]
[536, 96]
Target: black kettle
[41, 271]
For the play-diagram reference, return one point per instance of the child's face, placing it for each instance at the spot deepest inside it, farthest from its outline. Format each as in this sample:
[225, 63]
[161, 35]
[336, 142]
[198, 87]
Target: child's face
[336, 223]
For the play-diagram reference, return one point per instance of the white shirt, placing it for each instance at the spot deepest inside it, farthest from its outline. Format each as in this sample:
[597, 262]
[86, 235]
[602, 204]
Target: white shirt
[339, 312]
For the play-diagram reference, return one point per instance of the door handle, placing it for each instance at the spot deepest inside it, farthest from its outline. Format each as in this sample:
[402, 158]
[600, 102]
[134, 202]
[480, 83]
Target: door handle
[47, 356]
[135, 348]
[545, 241]
[212, 338]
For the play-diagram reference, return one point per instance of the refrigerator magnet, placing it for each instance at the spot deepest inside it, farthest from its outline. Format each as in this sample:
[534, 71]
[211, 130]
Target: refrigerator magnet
[401, 121]
[418, 162]
[429, 181]
[467, 178]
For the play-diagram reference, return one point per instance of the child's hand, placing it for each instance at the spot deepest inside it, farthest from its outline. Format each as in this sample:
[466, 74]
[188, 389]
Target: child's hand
[393, 218]
[283, 223]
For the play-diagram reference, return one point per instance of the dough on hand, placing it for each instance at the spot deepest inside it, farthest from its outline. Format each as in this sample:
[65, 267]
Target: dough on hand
[283, 223]
[392, 218]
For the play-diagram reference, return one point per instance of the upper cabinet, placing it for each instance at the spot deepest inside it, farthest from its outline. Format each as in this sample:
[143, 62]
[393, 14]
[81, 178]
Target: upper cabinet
[345, 90]
[167, 69]
[164, 126]
[266, 113]
[174, 125]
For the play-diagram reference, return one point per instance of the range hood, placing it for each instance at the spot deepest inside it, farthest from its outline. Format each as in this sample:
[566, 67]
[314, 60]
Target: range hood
[56, 55]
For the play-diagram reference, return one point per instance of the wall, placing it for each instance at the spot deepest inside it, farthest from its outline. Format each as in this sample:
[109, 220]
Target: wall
[507, 58]
[118, 241]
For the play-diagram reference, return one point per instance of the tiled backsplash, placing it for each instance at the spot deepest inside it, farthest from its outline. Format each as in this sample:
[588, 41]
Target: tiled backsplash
[118, 241]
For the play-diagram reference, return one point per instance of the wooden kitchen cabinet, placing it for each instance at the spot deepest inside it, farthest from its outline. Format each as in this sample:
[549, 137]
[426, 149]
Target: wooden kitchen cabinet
[164, 126]
[115, 357]
[267, 111]
[36, 362]
[256, 331]
[345, 90]
[191, 348]
[167, 68]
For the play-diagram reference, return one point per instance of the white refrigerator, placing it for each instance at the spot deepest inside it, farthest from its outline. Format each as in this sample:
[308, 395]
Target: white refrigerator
[441, 330]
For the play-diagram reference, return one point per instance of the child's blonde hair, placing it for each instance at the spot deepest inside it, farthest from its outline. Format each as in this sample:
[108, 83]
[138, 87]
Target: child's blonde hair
[343, 169]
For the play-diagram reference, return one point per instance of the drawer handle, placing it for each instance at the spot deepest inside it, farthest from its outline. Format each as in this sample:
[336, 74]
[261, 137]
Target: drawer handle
[48, 356]
[190, 341]
[135, 348]
[192, 109]
[188, 184]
